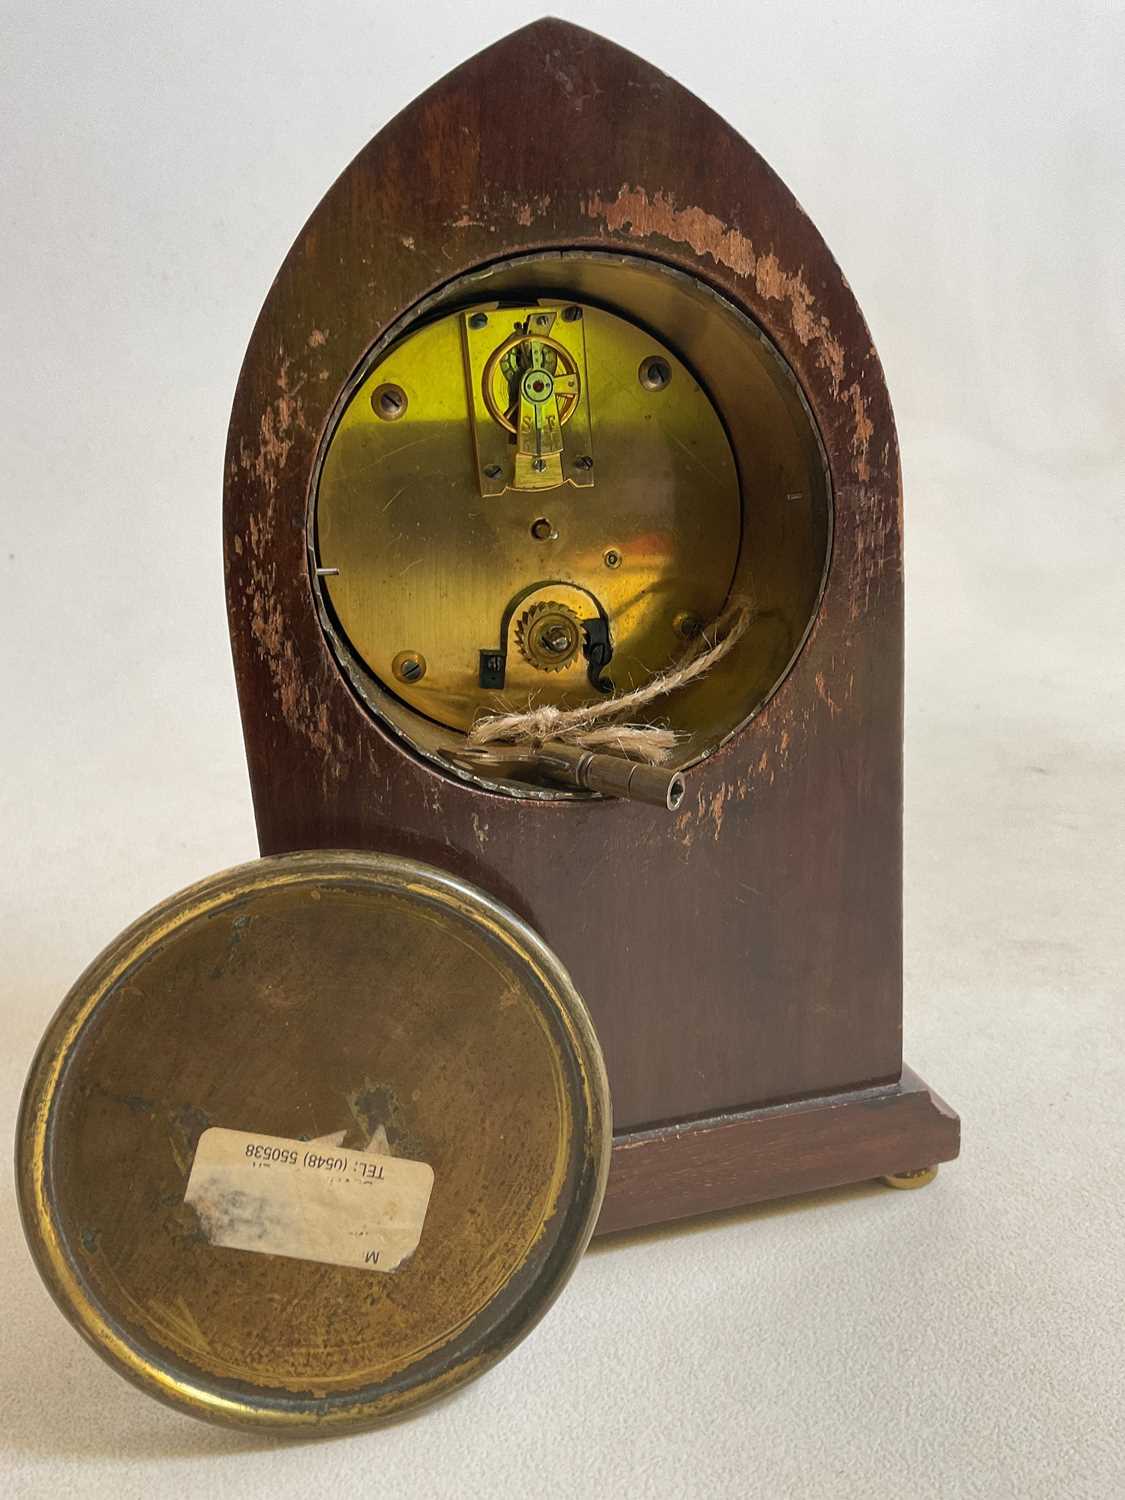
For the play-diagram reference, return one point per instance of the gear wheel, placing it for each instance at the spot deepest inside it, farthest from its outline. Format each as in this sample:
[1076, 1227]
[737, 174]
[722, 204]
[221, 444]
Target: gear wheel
[550, 636]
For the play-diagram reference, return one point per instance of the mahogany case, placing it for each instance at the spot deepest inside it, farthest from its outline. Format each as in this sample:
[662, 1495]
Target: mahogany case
[742, 960]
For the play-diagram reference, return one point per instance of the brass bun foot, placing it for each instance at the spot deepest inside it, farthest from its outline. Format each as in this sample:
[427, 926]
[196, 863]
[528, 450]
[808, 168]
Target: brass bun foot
[921, 1177]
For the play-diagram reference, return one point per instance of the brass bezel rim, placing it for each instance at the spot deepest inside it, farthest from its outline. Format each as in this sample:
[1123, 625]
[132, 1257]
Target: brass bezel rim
[280, 1411]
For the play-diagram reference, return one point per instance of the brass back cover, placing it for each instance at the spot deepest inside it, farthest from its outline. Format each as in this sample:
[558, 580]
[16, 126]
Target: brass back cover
[297, 997]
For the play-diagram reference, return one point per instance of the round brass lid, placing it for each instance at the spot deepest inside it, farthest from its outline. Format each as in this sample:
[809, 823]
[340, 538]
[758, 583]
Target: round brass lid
[314, 1141]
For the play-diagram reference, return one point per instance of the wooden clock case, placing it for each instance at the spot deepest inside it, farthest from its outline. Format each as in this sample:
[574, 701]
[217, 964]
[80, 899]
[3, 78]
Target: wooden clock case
[742, 960]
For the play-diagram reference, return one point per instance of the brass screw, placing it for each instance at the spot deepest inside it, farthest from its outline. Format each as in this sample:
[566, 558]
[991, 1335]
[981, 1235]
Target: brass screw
[611, 557]
[492, 471]
[409, 666]
[585, 462]
[543, 531]
[556, 639]
[388, 402]
[654, 373]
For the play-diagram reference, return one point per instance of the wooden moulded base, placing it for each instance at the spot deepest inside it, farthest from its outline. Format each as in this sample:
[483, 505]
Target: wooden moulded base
[732, 1160]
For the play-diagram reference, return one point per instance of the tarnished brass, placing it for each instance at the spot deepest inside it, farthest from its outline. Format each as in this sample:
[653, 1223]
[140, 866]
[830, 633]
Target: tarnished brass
[612, 775]
[504, 349]
[428, 563]
[549, 636]
[351, 996]
[388, 402]
[702, 478]
[920, 1177]
[409, 666]
[531, 386]
[655, 373]
[578, 768]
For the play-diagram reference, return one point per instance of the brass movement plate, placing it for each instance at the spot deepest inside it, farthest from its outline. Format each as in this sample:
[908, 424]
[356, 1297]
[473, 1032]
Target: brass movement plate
[690, 472]
[436, 532]
[357, 998]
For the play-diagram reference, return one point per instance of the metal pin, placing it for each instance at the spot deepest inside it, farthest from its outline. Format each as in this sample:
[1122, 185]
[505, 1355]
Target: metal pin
[327, 572]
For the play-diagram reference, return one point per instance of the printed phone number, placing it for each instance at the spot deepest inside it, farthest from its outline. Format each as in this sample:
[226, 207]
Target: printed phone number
[368, 1171]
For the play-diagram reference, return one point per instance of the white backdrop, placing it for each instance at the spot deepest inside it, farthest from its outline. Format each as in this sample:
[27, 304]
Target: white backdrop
[964, 162]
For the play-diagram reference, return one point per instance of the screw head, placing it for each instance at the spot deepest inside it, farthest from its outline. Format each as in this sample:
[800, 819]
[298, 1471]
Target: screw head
[687, 625]
[492, 471]
[611, 557]
[655, 373]
[556, 640]
[542, 530]
[478, 320]
[409, 666]
[571, 314]
[584, 462]
[388, 402]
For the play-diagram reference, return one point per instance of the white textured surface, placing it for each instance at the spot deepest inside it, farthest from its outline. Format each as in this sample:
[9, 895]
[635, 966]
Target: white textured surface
[964, 162]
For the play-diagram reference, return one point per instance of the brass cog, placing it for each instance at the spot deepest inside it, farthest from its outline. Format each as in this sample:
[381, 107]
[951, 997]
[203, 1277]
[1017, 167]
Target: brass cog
[550, 636]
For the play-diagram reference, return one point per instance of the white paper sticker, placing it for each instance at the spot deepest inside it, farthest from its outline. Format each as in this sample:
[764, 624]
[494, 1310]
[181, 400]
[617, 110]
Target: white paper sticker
[308, 1199]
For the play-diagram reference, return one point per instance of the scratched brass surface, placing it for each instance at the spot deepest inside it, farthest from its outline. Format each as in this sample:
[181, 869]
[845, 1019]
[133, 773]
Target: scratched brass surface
[428, 563]
[298, 997]
[712, 486]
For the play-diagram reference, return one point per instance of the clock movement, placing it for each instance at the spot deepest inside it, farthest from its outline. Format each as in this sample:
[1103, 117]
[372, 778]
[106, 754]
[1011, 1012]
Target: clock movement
[563, 531]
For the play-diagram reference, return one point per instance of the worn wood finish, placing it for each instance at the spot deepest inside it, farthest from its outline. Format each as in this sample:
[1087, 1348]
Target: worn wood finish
[747, 1157]
[748, 950]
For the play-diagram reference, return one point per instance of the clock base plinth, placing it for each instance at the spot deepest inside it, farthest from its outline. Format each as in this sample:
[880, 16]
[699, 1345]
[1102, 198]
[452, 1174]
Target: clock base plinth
[749, 1156]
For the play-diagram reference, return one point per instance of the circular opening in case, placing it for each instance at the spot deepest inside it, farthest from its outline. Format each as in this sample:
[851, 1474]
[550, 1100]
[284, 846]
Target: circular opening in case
[588, 453]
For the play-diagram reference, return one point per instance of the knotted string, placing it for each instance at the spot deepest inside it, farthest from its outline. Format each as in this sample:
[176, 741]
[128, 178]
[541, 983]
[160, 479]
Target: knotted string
[598, 726]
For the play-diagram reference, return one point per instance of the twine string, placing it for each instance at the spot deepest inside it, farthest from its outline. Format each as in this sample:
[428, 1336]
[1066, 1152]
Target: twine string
[605, 725]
